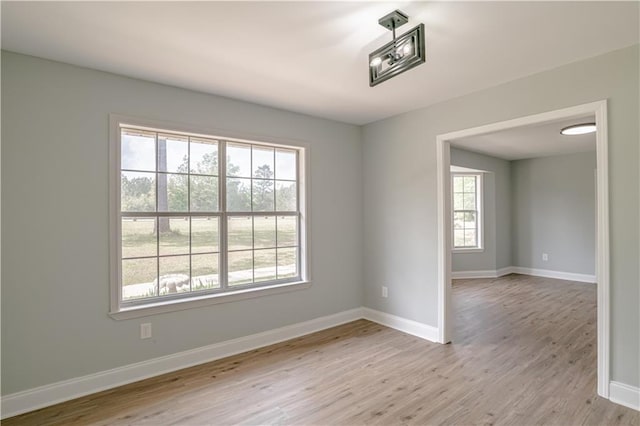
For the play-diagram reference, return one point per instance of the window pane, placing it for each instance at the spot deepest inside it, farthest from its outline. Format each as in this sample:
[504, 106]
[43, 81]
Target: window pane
[173, 154]
[470, 238]
[263, 195]
[138, 151]
[263, 162]
[204, 193]
[470, 220]
[458, 184]
[287, 262]
[469, 201]
[240, 267]
[469, 184]
[204, 272]
[286, 164]
[286, 196]
[458, 220]
[458, 238]
[139, 278]
[174, 235]
[174, 274]
[138, 192]
[238, 160]
[172, 192]
[240, 232]
[239, 195]
[204, 156]
[204, 234]
[265, 265]
[139, 237]
[287, 231]
[458, 201]
[264, 232]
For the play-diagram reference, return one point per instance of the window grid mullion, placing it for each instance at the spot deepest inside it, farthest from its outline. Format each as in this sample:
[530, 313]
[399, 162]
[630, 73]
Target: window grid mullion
[299, 221]
[157, 152]
[253, 227]
[223, 225]
[189, 209]
[275, 205]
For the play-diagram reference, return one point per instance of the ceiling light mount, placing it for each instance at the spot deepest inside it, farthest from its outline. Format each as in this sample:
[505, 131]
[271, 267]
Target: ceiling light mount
[399, 55]
[394, 20]
[579, 129]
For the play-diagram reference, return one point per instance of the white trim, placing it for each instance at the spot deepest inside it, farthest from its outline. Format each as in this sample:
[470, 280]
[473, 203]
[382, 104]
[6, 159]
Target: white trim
[569, 276]
[443, 164]
[626, 395]
[43, 396]
[445, 242]
[504, 271]
[463, 250]
[408, 326]
[459, 170]
[210, 299]
[602, 248]
[479, 210]
[482, 274]
[117, 310]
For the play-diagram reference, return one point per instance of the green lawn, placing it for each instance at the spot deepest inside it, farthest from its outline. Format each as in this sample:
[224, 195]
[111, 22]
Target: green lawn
[139, 239]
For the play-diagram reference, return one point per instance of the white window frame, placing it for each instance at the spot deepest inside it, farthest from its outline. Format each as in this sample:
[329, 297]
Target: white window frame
[480, 214]
[125, 310]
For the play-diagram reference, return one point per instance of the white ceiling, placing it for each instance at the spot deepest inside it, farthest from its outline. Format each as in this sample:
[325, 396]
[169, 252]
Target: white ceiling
[311, 57]
[538, 140]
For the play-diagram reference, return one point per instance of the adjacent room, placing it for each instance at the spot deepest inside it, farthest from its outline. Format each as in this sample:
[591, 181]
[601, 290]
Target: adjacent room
[320, 213]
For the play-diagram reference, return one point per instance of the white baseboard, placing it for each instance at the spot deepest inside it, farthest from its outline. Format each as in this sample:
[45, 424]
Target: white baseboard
[43, 396]
[570, 276]
[456, 275]
[482, 274]
[408, 326]
[626, 395]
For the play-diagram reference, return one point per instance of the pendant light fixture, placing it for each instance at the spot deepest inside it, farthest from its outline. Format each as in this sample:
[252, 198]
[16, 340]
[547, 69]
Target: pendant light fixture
[399, 55]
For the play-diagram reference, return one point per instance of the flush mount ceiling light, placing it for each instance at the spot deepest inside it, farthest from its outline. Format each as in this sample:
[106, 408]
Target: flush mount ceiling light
[579, 129]
[399, 55]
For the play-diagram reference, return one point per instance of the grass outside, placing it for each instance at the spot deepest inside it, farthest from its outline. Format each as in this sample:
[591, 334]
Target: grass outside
[245, 235]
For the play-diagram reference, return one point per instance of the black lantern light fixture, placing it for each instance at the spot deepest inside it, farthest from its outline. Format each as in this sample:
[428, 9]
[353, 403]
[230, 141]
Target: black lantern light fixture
[399, 55]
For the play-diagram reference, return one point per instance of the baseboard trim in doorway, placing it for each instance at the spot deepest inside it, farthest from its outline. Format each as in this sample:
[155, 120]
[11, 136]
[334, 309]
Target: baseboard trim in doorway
[482, 274]
[626, 395]
[54, 393]
[405, 325]
[569, 276]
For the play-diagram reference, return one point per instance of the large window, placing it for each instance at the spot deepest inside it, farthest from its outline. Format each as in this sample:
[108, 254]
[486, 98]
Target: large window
[467, 198]
[199, 215]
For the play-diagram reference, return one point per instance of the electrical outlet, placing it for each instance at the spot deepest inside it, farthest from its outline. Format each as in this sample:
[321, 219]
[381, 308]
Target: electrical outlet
[545, 257]
[145, 330]
[385, 291]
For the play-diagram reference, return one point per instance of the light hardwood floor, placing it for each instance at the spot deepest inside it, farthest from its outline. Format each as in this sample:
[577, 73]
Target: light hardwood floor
[523, 353]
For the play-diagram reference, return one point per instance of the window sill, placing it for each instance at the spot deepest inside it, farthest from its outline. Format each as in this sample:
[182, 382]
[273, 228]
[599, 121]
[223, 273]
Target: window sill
[467, 250]
[210, 299]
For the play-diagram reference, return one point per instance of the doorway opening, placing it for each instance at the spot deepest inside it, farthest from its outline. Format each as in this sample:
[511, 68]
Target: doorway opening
[597, 110]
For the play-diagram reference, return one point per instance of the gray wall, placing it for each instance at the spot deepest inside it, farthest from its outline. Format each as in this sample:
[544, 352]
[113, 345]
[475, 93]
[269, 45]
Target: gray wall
[554, 212]
[400, 211]
[55, 289]
[496, 213]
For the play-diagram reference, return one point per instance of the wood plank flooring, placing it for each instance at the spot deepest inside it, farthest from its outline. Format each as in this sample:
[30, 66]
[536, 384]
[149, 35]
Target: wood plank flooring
[524, 353]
